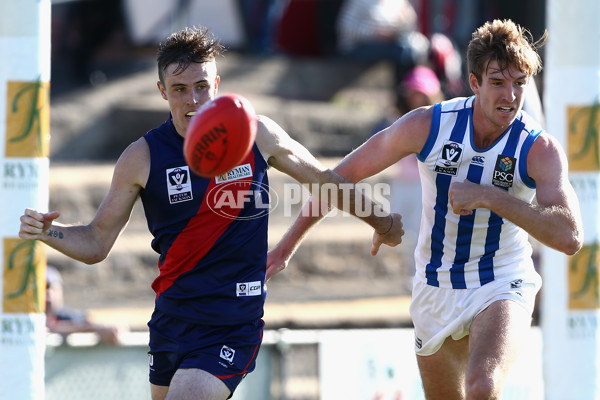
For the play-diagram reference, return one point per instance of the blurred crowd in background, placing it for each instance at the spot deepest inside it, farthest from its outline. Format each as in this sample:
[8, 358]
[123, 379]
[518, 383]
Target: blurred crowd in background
[431, 33]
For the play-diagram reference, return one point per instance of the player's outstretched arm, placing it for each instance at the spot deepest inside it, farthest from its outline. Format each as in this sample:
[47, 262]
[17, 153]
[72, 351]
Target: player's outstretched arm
[91, 243]
[292, 158]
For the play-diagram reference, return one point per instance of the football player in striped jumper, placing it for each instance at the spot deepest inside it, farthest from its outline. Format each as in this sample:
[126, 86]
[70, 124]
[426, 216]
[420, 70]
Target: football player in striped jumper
[206, 328]
[490, 177]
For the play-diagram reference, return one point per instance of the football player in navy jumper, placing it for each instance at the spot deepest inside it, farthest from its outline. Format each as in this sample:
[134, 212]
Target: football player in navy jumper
[206, 329]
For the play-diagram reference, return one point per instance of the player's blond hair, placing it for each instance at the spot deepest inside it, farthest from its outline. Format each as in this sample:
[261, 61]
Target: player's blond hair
[508, 44]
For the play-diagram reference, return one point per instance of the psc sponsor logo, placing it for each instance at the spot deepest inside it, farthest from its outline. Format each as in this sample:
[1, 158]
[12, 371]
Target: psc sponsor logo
[504, 171]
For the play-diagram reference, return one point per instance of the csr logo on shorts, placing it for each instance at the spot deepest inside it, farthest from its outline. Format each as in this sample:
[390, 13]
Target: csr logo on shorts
[504, 171]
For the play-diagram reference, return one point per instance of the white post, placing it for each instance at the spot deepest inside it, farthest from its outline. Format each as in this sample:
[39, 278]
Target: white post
[24, 150]
[571, 299]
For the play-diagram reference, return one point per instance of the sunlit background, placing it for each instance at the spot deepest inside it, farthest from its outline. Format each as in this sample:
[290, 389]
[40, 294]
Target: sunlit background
[337, 323]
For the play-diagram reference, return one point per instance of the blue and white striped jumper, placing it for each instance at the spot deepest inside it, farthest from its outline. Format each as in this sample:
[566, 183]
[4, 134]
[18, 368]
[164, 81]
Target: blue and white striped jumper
[460, 252]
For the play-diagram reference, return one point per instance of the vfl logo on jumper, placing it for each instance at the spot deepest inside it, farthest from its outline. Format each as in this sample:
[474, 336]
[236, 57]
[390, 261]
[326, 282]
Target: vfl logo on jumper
[227, 354]
[239, 172]
[179, 185]
[449, 158]
[249, 289]
[504, 172]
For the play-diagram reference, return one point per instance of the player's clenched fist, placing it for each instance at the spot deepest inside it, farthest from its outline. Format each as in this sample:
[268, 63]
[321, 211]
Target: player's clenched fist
[35, 224]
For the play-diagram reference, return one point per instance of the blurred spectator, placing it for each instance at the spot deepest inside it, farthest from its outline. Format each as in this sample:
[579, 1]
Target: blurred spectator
[80, 29]
[65, 321]
[298, 28]
[260, 18]
[304, 28]
[419, 87]
[447, 63]
[375, 30]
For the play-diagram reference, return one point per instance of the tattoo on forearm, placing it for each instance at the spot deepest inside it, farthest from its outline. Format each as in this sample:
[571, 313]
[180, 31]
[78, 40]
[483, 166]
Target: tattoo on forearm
[55, 234]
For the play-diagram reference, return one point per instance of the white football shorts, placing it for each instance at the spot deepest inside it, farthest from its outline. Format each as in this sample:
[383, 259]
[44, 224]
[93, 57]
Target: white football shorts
[438, 313]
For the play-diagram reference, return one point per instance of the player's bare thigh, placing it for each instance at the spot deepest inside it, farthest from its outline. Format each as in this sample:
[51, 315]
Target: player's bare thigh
[496, 339]
[158, 392]
[191, 384]
[443, 373]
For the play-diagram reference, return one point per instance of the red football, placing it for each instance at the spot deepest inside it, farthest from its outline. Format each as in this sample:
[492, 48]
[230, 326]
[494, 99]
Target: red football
[220, 135]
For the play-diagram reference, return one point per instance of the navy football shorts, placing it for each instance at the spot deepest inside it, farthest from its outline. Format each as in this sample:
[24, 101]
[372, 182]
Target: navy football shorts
[227, 352]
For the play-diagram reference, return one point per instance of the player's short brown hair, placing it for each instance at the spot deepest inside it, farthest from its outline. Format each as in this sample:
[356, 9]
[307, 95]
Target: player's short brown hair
[508, 44]
[190, 45]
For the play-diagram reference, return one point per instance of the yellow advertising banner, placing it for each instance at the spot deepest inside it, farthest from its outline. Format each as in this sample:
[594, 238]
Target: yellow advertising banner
[24, 277]
[583, 144]
[584, 285]
[27, 119]
[583, 150]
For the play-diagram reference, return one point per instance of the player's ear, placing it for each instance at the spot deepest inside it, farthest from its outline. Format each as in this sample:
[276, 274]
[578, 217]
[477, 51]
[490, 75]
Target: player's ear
[162, 90]
[474, 83]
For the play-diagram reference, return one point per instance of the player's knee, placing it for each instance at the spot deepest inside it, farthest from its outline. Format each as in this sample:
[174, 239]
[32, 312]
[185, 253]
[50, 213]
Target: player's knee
[483, 387]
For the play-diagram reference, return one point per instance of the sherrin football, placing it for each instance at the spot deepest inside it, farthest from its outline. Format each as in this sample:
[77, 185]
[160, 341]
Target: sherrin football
[220, 135]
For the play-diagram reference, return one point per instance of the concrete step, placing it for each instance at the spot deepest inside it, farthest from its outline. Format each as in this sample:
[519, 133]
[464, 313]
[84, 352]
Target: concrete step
[330, 105]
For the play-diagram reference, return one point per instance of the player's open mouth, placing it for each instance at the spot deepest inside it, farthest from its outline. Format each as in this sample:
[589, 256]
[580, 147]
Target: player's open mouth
[190, 114]
[505, 109]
